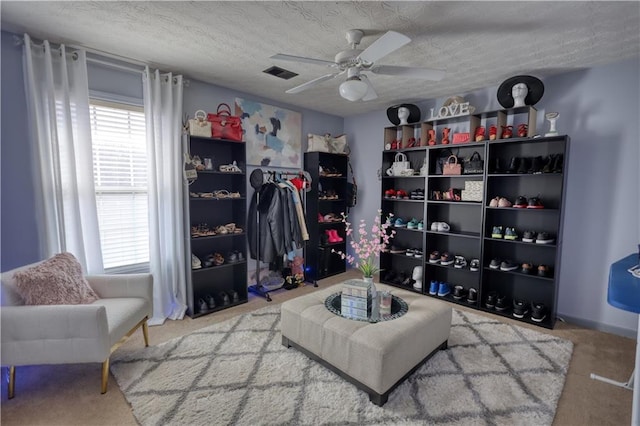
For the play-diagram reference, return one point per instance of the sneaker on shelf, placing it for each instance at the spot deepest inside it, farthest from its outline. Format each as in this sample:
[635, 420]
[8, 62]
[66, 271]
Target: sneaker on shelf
[443, 289]
[421, 225]
[472, 296]
[408, 282]
[412, 224]
[534, 203]
[502, 304]
[474, 265]
[528, 236]
[443, 227]
[538, 312]
[496, 232]
[401, 194]
[446, 259]
[459, 262]
[544, 238]
[521, 203]
[409, 252]
[419, 193]
[434, 257]
[417, 253]
[434, 226]
[196, 263]
[544, 271]
[397, 250]
[203, 308]
[508, 265]
[211, 302]
[390, 193]
[503, 202]
[494, 202]
[490, 302]
[526, 268]
[400, 223]
[459, 292]
[433, 288]
[495, 263]
[520, 308]
[510, 234]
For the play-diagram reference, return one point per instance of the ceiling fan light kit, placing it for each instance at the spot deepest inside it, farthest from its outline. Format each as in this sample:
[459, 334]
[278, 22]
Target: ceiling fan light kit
[355, 61]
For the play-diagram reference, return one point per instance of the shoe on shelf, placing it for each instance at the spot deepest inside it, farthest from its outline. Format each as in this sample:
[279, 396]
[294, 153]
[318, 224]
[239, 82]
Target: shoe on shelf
[526, 268]
[235, 297]
[434, 226]
[446, 259]
[397, 250]
[390, 193]
[523, 167]
[494, 202]
[472, 295]
[544, 238]
[459, 292]
[557, 163]
[497, 166]
[203, 308]
[211, 302]
[502, 304]
[443, 227]
[417, 253]
[474, 265]
[538, 312]
[459, 262]
[496, 232]
[503, 202]
[536, 165]
[548, 164]
[412, 224]
[443, 289]
[421, 225]
[508, 265]
[521, 203]
[495, 263]
[196, 263]
[433, 288]
[510, 234]
[528, 236]
[401, 194]
[520, 308]
[534, 203]
[490, 302]
[400, 223]
[544, 271]
[514, 163]
[410, 252]
[225, 298]
[434, 257]
[389, 276]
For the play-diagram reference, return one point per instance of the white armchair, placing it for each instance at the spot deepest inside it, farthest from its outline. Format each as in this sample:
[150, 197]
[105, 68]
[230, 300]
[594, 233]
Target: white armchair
[69, 334]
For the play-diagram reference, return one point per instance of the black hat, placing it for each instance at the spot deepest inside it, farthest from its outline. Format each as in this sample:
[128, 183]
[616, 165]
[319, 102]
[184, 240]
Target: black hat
[535, 86]
[414, 113]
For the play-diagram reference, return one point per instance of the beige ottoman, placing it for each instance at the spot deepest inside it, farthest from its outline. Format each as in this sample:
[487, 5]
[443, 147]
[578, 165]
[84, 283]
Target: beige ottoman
[375, 357]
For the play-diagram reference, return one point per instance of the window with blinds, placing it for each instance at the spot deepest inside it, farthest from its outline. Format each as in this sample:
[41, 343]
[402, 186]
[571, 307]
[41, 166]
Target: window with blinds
[120, 175]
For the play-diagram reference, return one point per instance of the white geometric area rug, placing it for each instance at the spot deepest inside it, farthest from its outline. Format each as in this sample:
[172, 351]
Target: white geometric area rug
[238, 373]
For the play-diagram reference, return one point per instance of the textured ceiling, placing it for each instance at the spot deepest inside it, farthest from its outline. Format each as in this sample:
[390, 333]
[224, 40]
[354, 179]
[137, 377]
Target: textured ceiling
[479, 44]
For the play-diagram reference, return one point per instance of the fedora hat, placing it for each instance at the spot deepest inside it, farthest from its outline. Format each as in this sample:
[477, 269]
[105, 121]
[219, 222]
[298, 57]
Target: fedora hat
[534, 86]
[414, 113]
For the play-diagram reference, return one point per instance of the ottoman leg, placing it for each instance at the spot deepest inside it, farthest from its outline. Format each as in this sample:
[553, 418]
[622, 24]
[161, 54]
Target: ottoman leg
[378, 399]
[285, 342]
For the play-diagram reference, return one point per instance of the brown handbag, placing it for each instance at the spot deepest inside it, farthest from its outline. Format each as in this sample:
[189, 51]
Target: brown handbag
[450, 168]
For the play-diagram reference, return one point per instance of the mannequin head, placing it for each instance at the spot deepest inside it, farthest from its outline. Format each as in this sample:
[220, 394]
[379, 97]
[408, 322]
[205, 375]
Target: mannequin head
[519, 92]
[403, 114]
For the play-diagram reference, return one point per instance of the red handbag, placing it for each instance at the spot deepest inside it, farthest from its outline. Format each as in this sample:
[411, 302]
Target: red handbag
[224, 125]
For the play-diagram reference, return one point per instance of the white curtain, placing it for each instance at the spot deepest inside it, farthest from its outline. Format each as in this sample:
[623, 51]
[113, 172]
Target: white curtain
[58, 119]
[163, 111]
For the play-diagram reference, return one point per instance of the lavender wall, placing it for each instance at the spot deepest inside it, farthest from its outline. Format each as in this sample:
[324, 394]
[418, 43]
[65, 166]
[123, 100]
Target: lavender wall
[599, 110]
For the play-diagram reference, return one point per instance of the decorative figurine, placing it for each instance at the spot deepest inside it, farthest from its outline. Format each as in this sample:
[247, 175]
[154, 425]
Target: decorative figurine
[445, 135]
[493, 132]
[432, 137]
[522, 130]
[479, 133]
[552, 117]
[507, 132]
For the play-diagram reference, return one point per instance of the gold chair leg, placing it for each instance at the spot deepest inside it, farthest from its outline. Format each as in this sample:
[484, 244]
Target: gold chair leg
[145, 332]
[105, 376]
[12, 381]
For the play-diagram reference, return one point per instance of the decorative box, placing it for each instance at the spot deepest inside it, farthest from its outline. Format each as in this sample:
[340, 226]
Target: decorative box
[472, 190]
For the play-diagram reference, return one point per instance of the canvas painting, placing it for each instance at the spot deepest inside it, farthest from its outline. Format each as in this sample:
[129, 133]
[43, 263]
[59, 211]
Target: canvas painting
[273, 135]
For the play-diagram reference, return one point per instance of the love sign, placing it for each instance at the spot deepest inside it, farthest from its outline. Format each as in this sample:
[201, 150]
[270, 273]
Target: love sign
[452, 110]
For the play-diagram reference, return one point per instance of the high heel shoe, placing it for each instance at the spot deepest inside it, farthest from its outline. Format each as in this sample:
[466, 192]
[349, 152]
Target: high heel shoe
[445, 135]
[507, 132]
[411, 143]
[479, 134]
[493, 132]
[432, 137]
[522, 130]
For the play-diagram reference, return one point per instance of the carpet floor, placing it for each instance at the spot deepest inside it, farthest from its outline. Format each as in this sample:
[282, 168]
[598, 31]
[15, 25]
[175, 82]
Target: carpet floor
[238, 372]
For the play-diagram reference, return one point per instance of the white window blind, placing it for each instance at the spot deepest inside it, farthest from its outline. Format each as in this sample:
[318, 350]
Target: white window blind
[120, 174]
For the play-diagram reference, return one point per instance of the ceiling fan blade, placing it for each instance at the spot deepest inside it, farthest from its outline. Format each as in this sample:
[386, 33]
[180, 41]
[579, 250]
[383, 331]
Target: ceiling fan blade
[292, 58]
[371, 93]
[426, 73]
[386, 44]
[310, 84]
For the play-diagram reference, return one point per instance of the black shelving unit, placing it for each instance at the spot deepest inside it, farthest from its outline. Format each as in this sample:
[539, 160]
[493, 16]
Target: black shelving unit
[471, 222]
[319, 259]
[210, 212]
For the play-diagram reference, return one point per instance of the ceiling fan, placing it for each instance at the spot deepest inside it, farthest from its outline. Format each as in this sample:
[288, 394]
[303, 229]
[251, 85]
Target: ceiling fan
[355, 61]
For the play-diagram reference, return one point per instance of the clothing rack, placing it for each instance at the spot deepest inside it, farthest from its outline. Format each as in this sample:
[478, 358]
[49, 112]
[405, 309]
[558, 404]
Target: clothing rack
[273, 176]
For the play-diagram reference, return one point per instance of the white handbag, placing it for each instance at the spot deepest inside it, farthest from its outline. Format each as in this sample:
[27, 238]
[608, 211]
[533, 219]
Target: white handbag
[199, 126]
[400, 164]
[327, 143]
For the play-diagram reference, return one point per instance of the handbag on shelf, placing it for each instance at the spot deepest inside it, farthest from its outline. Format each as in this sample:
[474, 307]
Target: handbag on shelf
[199, 126]
[473, 165]
[224, 125]
[452, 168]
[327, 143]
[400, 164]
[441, 160]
